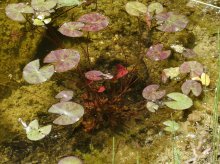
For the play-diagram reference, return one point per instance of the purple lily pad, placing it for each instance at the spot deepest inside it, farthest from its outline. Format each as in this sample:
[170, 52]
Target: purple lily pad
[189, 53]
[70, 112]
[150, 92]
[94, 22]
[14, 11]
[72, 29]
[65, 95]
[63, 60]
[156, 53]
[43, 5]
[193, 67]
[70, 160]
[191, 85]
[95, 75]
[171, 22]
[33, 74]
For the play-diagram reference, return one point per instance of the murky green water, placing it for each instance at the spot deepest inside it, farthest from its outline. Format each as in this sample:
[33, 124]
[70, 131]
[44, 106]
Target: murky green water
[119, 111]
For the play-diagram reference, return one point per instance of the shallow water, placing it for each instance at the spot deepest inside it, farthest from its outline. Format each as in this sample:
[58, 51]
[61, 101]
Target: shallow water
[119, 112]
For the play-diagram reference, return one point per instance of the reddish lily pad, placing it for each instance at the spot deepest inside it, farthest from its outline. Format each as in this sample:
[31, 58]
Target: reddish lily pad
[121, 71]
[191, 85]
[14, 11]
[43, 5]
[72, 29]
[95, 75]
[150, 92]
[135, 8]
[94, 22]
[65, 95]
[63, 60]
[171, 22]
[70, 112]
[193, 67]
[101, 89]
[156, 53]
[33, 74]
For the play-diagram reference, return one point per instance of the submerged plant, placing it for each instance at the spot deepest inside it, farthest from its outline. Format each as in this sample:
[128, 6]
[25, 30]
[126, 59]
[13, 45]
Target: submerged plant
[171, 126]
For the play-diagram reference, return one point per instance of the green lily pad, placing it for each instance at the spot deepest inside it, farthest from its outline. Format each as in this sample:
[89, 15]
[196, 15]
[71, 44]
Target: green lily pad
[135, 8]
[42, 5]
[180, 101]
[70, 160]
[14, 11]
[66, 3]
[172, 126]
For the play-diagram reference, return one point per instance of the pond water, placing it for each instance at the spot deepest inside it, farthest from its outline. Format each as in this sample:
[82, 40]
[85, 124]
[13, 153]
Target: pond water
[115, 122]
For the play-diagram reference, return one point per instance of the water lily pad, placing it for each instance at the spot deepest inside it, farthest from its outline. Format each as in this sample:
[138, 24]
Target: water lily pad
[193, 67]
[156, 53]
[121, 71]
[70, 112]
[155, 7]
[172, 126]
[152, 107]
[66, 3]
[135, 8]
[33, 74]
[14, 11]
[171, 73]
[94, 22]
[150, 92]
[63, 59]
[171, 22]
[72, 29]
[65, 95]
[95, 75]
[180, 101]
[43, 5]
[34, 132]
[70, 160]
[191, 85]
[204, 79]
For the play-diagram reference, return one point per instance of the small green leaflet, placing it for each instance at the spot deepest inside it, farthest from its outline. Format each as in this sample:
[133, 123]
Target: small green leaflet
[180, 101]
[135, 8]
[66, 3]
[172, 126]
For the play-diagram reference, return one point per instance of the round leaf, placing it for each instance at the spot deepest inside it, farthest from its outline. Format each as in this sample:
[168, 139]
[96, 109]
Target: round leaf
[95, 75]
[43, 5]
[155, 7]
[172, 126]
[135, 8]
[14, 11]
[70, 160]
[150, 92]
[93, 22]
[191, 85]
[65, 95]
[180, 102]
[70, 112]
[65, 3]
[71, 29]
[63, 60]
[156, 53]
[193, 67]
[33, 74]
[171, 22]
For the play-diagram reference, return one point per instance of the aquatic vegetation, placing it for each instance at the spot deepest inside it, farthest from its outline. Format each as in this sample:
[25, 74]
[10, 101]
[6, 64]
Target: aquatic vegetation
[155, 7]
[70, 160]
[65, 95]
[33, 74]
[204, 79]
[180, 101]
[63, 60]
[171, 126]
[191, 85]
[151, 106]
[95, 75]
[72, 29]
[156, 53]
[34, 132]
[193, 67]
[170, 73]
[70, 112]
[150, 92]
[135, 8]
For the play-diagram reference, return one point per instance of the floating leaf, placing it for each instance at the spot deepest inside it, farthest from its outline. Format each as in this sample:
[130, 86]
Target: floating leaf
[151, 106]
[65, 95]
[70, 112]
[101, 89]
[189, 53]
[14, 11]
[135, 8]
[193, 67]
[171, 22]
[95, 75]
[121, 71]
[178, 48]
[66, 3]
[150, 92]
[205, 80]
[155, 7]
[170, 73]
[63, 60]
[33, 131]
[43, 5]
[180, 102]
[172, 126]
[156, 53]
[72, 29]
[191, 85]
[94, 22]
[33, 74]
[70, 160]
